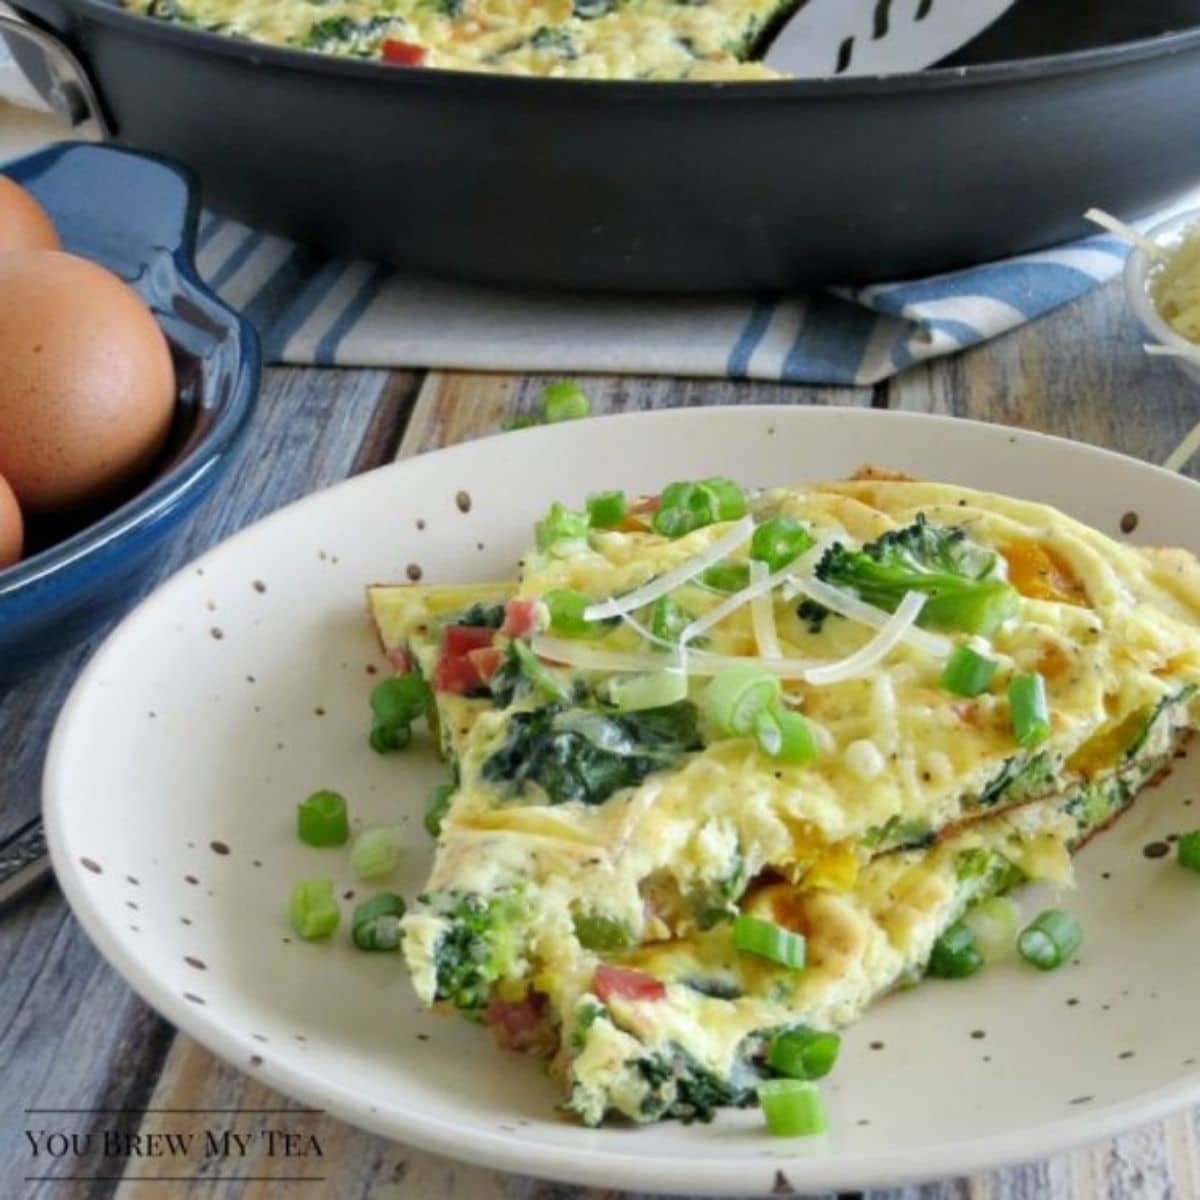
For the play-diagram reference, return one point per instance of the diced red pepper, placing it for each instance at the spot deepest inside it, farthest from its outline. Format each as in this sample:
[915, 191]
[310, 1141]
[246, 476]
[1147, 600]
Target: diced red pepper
[403, 54]
[518, 1024]
[399, 658]
[458, 640]
[486, 661]
[625, 983]
[520, 618]
[456, 670]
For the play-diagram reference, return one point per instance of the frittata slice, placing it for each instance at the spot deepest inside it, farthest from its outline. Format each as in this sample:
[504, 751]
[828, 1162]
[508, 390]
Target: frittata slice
[594, 844]
[588, 39]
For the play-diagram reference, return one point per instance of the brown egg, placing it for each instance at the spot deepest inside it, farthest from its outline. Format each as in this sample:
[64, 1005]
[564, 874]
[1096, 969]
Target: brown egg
[24, 224]
[87, 387]
[12, 527]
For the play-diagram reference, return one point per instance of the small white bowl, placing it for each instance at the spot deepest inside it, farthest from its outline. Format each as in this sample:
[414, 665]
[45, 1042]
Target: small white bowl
[1137, 279]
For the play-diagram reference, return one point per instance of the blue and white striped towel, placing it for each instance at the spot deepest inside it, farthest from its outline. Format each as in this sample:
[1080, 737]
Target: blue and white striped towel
[314, 310]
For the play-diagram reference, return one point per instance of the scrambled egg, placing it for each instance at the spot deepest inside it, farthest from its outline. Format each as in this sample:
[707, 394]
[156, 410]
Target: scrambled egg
[616, 912]
[581, 39]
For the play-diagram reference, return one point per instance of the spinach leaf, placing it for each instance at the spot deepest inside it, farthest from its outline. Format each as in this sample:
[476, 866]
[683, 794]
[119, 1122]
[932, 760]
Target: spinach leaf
[584, 755]
[1019, 779]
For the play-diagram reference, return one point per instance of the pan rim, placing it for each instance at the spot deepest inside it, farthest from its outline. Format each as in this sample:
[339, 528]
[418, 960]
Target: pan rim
[829, 88]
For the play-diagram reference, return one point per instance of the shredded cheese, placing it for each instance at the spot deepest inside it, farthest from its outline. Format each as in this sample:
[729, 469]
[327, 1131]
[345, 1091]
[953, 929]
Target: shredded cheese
[762, 586]
[762, 614]
[667, 582]
[866, 657]
[846, 604]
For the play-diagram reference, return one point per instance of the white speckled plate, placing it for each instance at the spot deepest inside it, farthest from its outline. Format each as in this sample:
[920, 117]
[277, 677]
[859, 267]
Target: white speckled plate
[241, 685]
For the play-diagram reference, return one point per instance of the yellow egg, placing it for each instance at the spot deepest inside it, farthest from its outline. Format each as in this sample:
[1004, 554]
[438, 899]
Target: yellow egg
[24, 224]
[12, 527]
[87, 386]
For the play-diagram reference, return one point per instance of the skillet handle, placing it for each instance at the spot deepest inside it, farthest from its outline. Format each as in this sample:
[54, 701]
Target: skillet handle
[62, 80]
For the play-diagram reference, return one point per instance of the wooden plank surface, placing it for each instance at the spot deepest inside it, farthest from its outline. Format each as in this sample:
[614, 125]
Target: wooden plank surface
[1078, 373]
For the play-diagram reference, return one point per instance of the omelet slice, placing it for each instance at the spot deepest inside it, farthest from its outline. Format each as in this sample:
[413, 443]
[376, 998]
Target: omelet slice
[598, 850]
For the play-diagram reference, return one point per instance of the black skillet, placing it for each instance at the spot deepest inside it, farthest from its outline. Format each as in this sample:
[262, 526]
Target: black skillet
[670, 187]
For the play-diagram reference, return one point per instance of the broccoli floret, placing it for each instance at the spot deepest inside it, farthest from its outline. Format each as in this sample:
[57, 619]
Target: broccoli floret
[954, 574]
[482, 942]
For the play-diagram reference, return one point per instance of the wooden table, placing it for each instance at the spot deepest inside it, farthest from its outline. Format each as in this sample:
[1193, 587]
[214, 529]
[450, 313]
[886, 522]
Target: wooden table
[73, 1035]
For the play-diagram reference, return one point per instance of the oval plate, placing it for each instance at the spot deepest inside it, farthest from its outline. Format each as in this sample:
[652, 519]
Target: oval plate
[241, 685]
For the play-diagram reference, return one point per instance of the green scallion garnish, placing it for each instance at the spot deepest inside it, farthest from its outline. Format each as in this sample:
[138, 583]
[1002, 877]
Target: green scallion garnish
[395, 704]
[566, 611]
[542, 678]
[655, 689]
[375, 924]
[322, 819]
[375, 853]
[685, 507]
[312, 909]
[1050, 939]
[1187, 850]
[784, 736]
[565, 400]
[668, 619]
[792, 1107]
[737, 695]
[560, 525]
[993, 923]
[955, 955]
[605, 934]
[802, 1052]
[606, 509]
[727, 577]
[779, 541]
[1027, 706]
[436, 805]
[967, 672]
[770, 941]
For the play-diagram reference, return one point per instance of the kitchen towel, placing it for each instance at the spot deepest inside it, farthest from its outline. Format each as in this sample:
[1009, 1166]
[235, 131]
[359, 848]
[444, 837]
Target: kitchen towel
[322, 311]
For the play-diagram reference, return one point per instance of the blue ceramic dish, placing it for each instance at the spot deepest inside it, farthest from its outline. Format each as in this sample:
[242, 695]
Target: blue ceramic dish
[137, 215]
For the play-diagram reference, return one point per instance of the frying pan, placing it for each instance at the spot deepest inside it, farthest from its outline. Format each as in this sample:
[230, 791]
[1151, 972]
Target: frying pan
[688, 187]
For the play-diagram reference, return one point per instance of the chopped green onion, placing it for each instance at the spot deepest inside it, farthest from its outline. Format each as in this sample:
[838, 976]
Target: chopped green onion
[520, 421]
[598, 932]
[437, 804]
[1050, 939]
[560, 524]
[792, 1107]
[1027, 706]
[993, 924]
[375, 924]
[802, 1052]
[685, 507]
[968, 673]
[727, 577]
[395, 704]
[606, 509]
[779, 541]
[321, 819]
[729, 498]
[565, 400]
[737, 695]
[1188, 850]
[375, 852]
[312, 909]
[770, 941]
[542, 678]
[656, 689]
[566, 611]
[784, 736]
[668, 619]
[954, 954]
